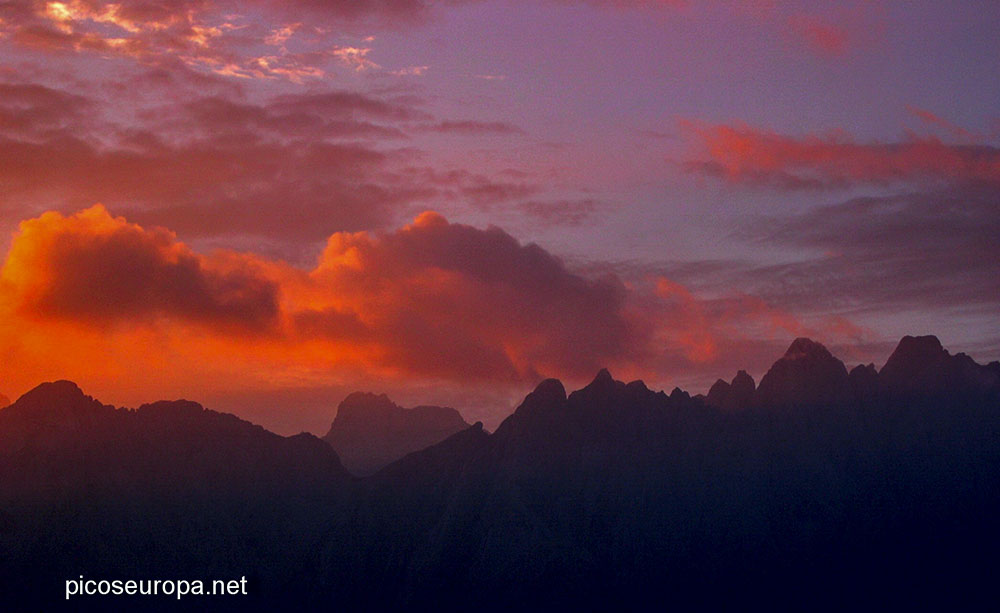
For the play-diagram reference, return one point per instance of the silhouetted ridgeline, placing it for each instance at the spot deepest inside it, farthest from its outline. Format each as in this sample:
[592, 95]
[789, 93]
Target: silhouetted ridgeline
[819, 488]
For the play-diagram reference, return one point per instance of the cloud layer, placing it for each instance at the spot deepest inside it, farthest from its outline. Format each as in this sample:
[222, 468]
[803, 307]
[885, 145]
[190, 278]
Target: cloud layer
[433, 299]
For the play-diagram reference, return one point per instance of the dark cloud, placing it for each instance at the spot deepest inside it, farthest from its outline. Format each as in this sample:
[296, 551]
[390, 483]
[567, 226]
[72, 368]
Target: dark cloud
[454, 301]
[560, 212]
[34, 111]
[294, 168]
[233, 184]
[345, 104]
[218, 115]
[480, 190]
[170, 79]
[934, 250]
[289, 169]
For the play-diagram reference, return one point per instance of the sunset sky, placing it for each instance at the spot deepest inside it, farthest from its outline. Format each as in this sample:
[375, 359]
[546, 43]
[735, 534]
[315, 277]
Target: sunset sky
[264, 205]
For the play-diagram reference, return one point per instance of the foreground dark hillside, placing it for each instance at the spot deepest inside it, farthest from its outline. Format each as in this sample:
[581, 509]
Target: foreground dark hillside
[819, 488]
[827, 488]
[169, 490]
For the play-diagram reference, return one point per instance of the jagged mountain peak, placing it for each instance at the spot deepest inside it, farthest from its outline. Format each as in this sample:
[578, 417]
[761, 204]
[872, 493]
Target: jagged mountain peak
[914, 353]
[808, 374]
[603, 378]
[920, 365]
[927, 344]
[172, 407]
[637, 386]
[548, 396]
[603, 383]
[736, 395]
[549, 391]
[866, 369]
[743, 380]
[361, 402]
[805, 348]
[864, 383]
[677, 395]
[55, 401]
[718, 391]
[57, 391]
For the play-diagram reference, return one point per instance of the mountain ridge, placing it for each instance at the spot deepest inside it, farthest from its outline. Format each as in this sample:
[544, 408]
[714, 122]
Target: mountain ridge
[807, 375]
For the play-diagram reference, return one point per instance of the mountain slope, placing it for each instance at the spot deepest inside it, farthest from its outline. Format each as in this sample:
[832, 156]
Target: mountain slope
[734, 396]
[807, 375]
[167, 490]
[371, 431]
[920, 368]
[616, 496]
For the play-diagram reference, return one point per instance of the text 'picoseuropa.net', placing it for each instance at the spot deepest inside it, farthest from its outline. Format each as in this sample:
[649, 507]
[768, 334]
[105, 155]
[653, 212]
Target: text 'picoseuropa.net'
[178, 588]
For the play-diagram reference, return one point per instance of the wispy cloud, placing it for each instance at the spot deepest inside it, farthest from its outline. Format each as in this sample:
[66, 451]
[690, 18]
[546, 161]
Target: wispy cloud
[743, 154]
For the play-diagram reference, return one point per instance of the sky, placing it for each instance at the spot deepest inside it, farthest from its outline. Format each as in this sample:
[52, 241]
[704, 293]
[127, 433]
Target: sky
[266, 205]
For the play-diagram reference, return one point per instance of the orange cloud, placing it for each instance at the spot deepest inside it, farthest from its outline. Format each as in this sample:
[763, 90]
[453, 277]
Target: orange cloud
[96, 269]
[433, 300]
[354, 57]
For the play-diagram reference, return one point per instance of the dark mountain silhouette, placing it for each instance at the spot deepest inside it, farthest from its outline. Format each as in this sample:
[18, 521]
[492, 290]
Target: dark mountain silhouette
[827, 490]
[733, 396]
[864, 384]
[166, 490]
[371, 431]
[920, 368]
[807, 375]
[618, 497]
[58, 437]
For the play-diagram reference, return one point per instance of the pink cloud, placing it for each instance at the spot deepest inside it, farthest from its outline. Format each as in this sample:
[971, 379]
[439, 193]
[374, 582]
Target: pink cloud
[820, 35]
[743, 154]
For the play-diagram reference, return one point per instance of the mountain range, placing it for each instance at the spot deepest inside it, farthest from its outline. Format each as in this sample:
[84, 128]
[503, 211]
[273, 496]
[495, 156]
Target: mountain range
[820, 487]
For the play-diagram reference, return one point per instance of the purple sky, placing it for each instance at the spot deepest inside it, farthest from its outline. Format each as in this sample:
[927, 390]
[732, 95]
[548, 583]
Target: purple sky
[704, 181]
